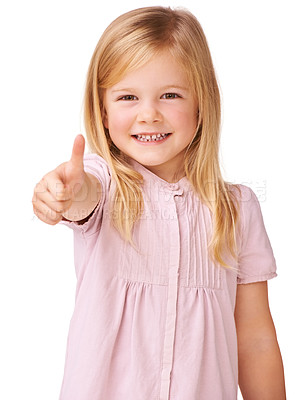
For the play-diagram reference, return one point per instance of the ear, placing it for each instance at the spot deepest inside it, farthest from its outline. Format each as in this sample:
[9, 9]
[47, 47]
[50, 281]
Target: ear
[105, 119]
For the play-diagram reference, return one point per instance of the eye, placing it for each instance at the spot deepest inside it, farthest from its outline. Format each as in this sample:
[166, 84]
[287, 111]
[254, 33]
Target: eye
[170, 96]
[128, 97]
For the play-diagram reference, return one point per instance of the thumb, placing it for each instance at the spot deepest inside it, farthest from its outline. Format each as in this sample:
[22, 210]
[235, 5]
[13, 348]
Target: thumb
[77, 154]
[74, 169]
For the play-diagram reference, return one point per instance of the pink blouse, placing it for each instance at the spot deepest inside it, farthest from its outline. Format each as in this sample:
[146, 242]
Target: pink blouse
[158, 323]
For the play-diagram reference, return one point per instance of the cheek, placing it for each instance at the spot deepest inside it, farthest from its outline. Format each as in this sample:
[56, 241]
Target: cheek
[118, 120]
[119, 125]
[185, 118]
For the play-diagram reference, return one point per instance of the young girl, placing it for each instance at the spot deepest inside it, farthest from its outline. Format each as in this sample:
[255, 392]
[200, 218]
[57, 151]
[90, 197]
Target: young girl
[171, 261]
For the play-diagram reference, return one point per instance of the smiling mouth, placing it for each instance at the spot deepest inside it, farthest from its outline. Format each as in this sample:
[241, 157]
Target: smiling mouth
[152, 138]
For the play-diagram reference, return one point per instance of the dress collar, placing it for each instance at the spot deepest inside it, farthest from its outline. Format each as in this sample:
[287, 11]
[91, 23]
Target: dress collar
[149, 176]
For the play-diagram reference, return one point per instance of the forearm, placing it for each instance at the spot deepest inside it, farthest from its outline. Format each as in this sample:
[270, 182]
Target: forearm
[261, 374]
[85, 200]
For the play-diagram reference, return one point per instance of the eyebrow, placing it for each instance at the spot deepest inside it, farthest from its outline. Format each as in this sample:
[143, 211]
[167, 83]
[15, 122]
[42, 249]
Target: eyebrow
[163, 88]
[174, 87]
[123, 90]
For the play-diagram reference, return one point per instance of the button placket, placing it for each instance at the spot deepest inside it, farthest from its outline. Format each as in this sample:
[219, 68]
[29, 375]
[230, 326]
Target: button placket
[171, 307]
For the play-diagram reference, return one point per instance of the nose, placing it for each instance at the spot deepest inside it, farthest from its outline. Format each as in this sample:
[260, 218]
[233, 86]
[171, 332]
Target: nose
[148, 112]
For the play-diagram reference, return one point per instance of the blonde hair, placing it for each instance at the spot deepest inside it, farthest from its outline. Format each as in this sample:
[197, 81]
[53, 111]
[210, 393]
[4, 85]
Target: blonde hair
[128, 43]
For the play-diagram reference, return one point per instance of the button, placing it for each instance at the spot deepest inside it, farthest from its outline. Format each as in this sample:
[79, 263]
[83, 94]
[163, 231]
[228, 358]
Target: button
[170, 186]
[179, 192]
[174, 186]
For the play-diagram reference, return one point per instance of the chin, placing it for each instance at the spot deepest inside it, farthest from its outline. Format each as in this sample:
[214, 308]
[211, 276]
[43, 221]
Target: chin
[150, 163]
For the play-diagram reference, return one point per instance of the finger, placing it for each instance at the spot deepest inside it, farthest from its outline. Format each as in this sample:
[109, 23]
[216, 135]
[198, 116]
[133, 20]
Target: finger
[53, 184]
[46, 214]
[38, 190]
[53, 203]
[78, 149]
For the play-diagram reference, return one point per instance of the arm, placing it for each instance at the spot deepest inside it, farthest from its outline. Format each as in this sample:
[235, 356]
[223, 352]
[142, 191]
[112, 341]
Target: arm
[261, 375]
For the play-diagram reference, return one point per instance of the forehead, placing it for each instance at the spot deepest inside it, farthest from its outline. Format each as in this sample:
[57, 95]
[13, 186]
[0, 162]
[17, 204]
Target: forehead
[160, 68]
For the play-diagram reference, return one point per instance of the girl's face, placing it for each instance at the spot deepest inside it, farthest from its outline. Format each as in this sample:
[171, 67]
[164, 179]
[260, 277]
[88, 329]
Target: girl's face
[152, 115]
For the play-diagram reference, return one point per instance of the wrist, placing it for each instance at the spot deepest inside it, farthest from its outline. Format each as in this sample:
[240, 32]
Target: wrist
[86, 199]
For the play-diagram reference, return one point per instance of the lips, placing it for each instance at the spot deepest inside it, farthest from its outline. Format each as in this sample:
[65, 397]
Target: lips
[152, 137]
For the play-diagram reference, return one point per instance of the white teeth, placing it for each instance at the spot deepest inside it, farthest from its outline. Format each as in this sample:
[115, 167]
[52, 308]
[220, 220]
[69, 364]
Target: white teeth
[151, 138]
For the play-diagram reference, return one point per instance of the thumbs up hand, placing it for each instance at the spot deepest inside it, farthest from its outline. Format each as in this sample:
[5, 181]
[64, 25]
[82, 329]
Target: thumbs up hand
[61, 189]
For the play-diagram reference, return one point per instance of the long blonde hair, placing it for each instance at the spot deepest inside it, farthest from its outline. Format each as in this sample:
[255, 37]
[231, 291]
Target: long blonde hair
[128, 43]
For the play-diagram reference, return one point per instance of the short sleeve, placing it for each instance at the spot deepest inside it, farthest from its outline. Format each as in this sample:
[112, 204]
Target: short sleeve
[256, 260]
[98, 167]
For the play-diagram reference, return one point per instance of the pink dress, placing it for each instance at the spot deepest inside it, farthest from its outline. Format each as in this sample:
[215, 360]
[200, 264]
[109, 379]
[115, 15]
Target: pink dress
[158, 323]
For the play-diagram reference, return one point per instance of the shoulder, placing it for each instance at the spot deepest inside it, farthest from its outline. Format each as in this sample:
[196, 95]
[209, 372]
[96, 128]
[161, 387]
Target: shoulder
[245, 199]
[249, 204]
[250, 217]
[241, 192]
[98, 167]
[95, 160]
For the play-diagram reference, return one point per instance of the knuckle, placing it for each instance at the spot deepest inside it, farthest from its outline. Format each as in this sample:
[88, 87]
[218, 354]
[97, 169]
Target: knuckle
[59, 207]
[52, 214]
[43, 182]
[52, 218]
[39, 188]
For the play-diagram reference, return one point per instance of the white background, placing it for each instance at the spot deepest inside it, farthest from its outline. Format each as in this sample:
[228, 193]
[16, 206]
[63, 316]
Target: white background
[45, 52]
